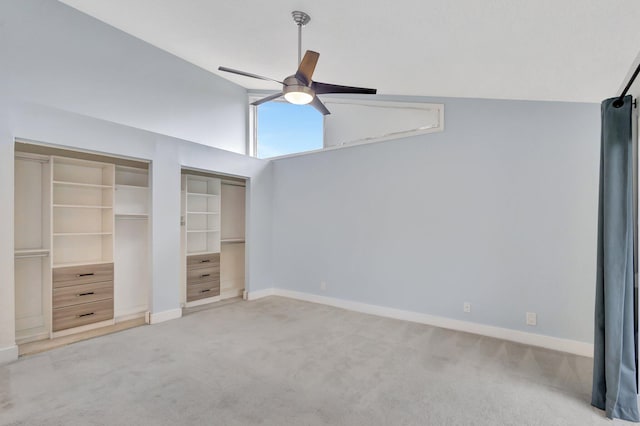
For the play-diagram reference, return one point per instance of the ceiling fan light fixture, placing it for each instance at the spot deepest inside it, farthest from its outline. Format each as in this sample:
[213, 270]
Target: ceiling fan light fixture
[298, 94]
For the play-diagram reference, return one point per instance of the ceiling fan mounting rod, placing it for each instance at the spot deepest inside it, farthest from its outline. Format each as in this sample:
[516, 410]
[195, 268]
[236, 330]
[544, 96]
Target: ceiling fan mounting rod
[301, 19]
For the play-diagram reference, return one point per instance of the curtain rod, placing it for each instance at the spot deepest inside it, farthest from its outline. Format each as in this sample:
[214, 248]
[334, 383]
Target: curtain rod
[620, 101]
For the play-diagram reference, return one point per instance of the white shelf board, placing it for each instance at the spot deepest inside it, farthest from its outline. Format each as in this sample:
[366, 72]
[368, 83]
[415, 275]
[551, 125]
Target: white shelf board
[83, 185]
[200, 194]
[133, 187]
[210, 213]
[80, 206]
[137, 215]
[197, 253]
[80, 234]
[202, 230]
[89, 262]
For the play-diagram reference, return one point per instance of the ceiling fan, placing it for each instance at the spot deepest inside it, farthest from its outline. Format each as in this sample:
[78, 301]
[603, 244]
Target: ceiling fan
[299, 88]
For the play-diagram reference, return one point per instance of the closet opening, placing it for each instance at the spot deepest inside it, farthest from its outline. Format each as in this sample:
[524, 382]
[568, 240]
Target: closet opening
[81, 243]
[213, 216]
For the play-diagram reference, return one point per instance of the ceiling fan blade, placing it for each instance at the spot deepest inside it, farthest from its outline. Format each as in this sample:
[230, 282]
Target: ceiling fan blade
[267, 99]
[307, 66]
[247, 74]
[317, 104]
[321, 88]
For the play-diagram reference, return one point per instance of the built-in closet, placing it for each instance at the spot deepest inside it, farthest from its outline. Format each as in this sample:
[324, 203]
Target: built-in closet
[81, 241]
[213, 237]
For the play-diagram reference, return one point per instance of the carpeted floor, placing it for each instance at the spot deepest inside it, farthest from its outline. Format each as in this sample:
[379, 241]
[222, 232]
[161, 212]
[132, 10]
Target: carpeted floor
[283, 362]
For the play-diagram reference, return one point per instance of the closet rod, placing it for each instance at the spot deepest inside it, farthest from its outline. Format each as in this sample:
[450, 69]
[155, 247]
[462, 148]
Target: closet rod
[620, 101]
[24, 256]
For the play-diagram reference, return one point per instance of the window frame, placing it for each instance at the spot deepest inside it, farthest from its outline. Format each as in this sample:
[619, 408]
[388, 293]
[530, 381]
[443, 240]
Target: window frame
[252, 147]
[389, 104]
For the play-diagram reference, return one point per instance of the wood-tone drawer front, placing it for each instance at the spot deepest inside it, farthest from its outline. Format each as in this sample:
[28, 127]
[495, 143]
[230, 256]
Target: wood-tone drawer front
[203, 260]
[83, 293]
[74, 275]
[203, 274]
[83, 314]
[202, 290]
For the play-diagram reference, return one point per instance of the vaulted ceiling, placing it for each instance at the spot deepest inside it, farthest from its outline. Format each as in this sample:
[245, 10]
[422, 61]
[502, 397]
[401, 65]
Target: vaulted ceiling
[567, 50]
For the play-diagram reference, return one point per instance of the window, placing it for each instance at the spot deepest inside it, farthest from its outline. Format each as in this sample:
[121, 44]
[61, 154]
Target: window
[355, 122]
[282, 128]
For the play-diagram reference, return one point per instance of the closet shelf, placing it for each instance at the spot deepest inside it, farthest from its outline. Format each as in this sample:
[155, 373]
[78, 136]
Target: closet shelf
[131, 187]
[80, 234]
[80, 206]
[89, 262]
[200, 194]
[132, 215]
[202, 230]
[198, 253]
[210, 213]
[82, 185]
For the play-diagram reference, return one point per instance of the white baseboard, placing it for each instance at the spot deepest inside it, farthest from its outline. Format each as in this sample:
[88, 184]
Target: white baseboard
[8, 354]
[255, 295]
[555, 343]
[158, 317]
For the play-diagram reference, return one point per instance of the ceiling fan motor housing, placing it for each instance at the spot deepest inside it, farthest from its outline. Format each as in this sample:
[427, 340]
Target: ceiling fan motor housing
[296, 92]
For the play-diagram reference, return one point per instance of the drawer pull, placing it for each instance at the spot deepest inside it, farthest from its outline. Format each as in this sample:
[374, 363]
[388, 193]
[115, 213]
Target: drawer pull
[88, 293]
[85, 315]
[205, 275]
[205, 261]
[204, 291]
[85, 275]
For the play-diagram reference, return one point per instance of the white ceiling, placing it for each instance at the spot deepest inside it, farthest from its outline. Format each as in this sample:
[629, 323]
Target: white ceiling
[569, 50]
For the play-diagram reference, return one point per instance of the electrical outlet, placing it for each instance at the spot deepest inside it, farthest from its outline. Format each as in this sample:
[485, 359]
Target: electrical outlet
[323, 286]
[467, 307]
[532, 318]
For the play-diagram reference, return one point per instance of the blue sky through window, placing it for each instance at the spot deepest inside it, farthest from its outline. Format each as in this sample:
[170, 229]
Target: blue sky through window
[285, 128]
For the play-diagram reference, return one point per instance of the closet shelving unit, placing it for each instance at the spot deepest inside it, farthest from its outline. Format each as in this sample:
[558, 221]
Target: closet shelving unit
[201, 239]
[82, 222]
[32, 241]
[232, 250]
[213, 212]
[132, 278]
[202, 215]
[80, 263]
[132, 192]
[82, 212]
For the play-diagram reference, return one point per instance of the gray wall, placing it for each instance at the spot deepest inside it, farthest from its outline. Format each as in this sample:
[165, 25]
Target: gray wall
[54, 55]
[499, 210]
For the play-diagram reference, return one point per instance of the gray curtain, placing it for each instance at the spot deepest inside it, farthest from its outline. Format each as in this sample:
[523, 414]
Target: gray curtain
[614, 361]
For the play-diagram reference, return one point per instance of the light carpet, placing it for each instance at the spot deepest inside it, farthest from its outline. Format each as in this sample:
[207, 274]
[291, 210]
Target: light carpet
[277, 361]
